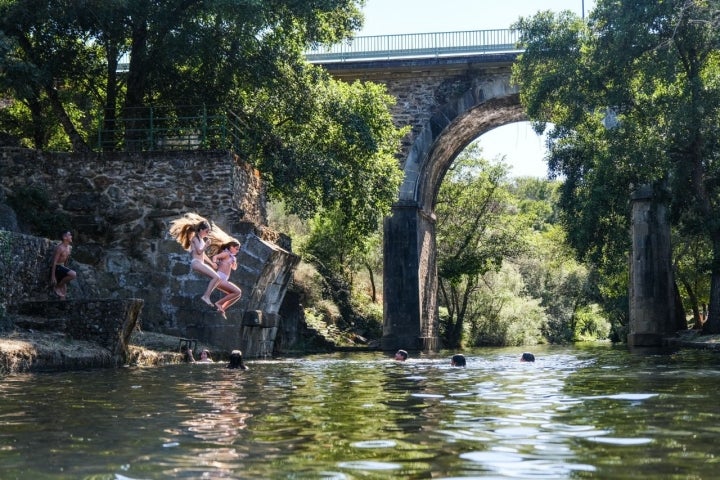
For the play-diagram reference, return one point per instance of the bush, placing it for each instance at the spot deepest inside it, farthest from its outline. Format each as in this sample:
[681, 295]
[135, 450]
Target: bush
[519, 321]
[590, 324]
[506, 317]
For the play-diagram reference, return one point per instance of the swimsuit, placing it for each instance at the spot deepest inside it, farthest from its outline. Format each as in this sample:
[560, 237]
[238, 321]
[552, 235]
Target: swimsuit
[61, 271]
[197, 260]
[229, 259]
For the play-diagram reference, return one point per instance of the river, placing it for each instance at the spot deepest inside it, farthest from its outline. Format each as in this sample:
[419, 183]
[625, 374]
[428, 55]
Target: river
[593, 411]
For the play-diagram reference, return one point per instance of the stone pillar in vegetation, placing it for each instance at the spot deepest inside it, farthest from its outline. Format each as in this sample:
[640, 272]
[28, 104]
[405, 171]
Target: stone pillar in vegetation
[652, 291]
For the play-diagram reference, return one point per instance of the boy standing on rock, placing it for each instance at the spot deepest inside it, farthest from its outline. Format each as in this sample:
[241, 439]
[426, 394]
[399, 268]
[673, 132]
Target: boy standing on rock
[60, 274]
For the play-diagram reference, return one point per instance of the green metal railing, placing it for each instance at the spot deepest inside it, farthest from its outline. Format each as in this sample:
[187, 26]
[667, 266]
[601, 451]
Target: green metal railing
[386, 47]
[167, 128]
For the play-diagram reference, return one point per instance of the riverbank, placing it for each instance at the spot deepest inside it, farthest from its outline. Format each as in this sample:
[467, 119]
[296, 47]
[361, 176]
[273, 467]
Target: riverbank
[31, 351]
[694, 339]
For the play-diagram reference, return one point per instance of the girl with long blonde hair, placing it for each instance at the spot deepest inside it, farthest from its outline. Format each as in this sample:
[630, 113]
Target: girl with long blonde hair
[191, 231]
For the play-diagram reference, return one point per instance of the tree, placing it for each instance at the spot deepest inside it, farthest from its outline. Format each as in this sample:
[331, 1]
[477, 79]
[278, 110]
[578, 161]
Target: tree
[181, 52]
[47, 57]
[653, 66]
[320, 144]
[691, 265]
[475, 232]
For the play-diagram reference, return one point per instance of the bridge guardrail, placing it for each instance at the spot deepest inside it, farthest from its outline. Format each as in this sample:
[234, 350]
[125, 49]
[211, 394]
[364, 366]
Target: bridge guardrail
[386, 47]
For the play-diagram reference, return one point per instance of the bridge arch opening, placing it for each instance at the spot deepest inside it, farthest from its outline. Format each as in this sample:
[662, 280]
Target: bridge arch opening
[410, 248]
[519, 147]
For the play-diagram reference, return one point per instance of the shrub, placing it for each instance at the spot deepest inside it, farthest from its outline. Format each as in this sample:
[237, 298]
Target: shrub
[590, 324]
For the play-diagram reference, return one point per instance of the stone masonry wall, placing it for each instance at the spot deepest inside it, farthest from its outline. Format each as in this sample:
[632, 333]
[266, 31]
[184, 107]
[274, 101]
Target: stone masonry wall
[421, 92]
[24, 266]
[120, 207]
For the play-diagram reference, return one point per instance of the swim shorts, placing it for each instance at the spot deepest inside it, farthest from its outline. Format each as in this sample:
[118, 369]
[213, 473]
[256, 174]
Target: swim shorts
[61, 271]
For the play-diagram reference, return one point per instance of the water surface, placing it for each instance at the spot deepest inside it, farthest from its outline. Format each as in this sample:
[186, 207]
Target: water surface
[592, 412]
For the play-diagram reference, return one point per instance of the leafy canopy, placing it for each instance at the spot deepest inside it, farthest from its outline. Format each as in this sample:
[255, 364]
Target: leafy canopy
[633, 98]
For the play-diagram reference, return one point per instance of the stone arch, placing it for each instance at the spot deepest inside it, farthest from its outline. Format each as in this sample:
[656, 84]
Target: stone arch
[409, 248]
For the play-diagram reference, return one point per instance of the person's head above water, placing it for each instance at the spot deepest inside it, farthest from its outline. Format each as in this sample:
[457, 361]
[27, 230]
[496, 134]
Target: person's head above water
[236, 360]
[458, 360]
[527, 357]
[401, 355]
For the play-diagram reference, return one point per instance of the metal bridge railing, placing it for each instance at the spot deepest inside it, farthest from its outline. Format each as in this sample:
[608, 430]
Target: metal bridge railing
[386, 47]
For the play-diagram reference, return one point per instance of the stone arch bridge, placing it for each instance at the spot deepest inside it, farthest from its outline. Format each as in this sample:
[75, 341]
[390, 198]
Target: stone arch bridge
[449, 101]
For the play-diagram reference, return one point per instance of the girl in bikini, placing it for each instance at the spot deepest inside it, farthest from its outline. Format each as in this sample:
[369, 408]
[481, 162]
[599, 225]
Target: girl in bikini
[227, 248]
[191, 231]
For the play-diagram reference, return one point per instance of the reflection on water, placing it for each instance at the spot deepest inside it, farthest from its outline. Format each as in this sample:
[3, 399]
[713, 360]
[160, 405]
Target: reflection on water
[593, 412]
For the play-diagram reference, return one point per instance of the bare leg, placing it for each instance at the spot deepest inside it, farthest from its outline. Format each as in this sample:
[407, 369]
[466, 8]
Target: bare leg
[231, 301]
[214, 279]
[211, 286]
[233, 294]
[61, 287]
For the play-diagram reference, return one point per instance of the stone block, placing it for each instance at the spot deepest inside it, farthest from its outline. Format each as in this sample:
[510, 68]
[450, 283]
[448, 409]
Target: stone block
[270, 320]
[252, 318]
[106, 322]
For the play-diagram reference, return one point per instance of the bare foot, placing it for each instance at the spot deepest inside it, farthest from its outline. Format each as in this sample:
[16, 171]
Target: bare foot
[222, 312]
[59, 293]
[207, 300]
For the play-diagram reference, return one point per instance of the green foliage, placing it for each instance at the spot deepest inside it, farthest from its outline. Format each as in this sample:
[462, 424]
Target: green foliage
[692, 260]
[634, 99]
[475, 232]
[523, 286]
[289, 224]
[504, 316]
[337, 153]
[322, 145]
[552, 275]
[34, 212]
[590, 324]
[538, 199]
[62, 57]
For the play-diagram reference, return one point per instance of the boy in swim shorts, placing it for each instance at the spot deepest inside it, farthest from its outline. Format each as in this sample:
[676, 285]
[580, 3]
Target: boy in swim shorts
[60, 274]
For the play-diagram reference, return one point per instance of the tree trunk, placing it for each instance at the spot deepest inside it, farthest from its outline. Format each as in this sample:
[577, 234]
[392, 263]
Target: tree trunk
[712, 324]
[38, 127]
[108, 135]
[690, 292]
[78, 143]
[372, 283]
[135, 135]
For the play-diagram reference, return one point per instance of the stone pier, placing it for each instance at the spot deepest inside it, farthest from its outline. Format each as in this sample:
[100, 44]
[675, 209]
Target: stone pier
[653, 312]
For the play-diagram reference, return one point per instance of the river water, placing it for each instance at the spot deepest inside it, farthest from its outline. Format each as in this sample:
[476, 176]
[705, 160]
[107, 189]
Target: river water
[577, 412]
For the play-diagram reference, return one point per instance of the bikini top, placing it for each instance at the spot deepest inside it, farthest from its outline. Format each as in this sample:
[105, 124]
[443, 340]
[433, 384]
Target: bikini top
[229, 259]
[201, 244]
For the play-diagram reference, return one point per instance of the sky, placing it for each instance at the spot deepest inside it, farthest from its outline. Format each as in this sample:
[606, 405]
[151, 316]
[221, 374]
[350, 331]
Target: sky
[522, 148]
